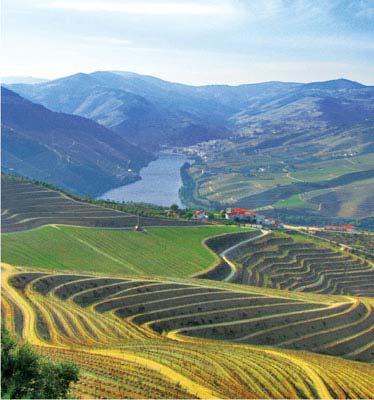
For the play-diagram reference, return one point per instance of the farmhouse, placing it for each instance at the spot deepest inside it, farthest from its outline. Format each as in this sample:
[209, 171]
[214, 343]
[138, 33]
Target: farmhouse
[240, 214]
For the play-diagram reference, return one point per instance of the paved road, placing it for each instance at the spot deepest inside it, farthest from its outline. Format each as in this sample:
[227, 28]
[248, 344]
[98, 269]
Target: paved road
[232, 265]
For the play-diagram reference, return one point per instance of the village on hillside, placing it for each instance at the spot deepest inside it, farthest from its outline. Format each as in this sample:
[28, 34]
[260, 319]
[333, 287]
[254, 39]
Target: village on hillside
[253, 219]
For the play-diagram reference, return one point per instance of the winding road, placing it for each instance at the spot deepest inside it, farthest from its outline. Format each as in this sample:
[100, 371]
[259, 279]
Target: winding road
[232, 265]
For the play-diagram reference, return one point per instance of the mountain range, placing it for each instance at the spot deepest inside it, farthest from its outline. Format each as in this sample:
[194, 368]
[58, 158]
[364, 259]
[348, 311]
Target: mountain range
[144, 110]
[67, 150]
[155, 113]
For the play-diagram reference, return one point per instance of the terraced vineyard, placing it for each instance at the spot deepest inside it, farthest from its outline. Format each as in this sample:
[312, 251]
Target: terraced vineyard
[282, 261]
[152, 338]
[26, 205]
[361, 242]
[157, 314]
[342, 327]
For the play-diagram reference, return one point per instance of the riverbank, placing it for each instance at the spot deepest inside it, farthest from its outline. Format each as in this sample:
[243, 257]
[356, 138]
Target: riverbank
[160, 183]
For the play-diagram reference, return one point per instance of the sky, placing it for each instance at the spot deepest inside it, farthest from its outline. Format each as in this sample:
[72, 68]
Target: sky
[190, 41]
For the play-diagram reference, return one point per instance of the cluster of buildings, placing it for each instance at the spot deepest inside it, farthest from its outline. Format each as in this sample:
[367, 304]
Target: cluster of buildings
[252, 218]
[333, 228]
[344, 228]
[243, 216]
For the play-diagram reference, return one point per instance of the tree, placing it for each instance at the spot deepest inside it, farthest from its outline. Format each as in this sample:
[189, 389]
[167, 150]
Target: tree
[188, 214]
[26, 374]
[174, 207]
[8, 345]
[57, 378]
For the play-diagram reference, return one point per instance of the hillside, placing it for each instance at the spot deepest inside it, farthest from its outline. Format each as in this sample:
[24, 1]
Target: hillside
[143, 110]
[27, 205]
[296, 143]
[181, 311]
[66, 150]
[54, 313]
[139, 106]
[207, 311]
[334, 326]
[316, 105]
[166, 251]
[295, 262]
[316, 178]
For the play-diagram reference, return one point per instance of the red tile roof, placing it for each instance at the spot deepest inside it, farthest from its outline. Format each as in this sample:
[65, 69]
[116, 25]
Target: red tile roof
[241, 211]
[346, 227]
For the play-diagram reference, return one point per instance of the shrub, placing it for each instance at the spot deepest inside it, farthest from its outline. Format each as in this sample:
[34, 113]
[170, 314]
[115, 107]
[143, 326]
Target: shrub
[26, 374]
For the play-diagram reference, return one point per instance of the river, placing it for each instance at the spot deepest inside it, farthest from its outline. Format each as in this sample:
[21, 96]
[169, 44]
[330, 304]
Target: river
[160, 183]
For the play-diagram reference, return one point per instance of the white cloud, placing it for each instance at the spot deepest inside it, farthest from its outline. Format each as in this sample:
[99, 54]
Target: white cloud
[143, 7]
[107, 40]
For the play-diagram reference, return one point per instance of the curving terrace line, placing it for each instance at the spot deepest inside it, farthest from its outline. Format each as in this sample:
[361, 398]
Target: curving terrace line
[279, 262]
[150, 307]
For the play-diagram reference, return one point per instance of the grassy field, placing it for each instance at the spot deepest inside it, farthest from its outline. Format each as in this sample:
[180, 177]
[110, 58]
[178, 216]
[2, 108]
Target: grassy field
[164, 251]
[296, 200]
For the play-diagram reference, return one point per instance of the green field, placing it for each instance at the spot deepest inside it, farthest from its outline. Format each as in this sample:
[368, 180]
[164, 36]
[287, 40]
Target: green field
[167, 251]
[293, 201]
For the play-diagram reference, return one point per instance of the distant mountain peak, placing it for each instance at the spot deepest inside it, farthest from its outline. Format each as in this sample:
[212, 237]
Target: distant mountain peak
[335, 84]
[80, 76]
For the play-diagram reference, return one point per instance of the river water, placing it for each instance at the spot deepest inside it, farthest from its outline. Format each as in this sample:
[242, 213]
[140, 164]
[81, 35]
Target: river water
[160, 183]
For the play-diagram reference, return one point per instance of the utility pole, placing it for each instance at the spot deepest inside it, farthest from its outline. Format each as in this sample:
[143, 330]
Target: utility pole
[137, 226]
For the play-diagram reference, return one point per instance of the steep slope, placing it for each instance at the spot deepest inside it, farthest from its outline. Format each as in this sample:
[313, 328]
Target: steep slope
[27, 205]
[83, 95]
[297, 263]
[68, 151]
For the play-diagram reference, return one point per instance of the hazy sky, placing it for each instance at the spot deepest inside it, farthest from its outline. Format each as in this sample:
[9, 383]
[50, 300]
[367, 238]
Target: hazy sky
[198, 42]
